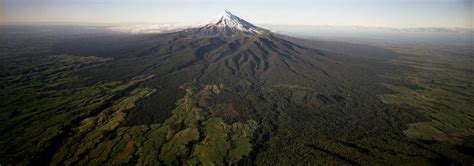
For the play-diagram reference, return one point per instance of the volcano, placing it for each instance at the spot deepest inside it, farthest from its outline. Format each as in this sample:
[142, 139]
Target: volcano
[225, 93]
[230, 49]
[232, 52]
[230, 92]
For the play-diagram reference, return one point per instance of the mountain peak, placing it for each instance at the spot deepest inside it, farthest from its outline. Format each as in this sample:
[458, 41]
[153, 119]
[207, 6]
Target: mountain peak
[233, 24]
[228, 14]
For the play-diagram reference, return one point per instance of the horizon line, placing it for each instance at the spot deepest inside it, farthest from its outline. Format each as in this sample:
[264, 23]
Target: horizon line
[45, 23]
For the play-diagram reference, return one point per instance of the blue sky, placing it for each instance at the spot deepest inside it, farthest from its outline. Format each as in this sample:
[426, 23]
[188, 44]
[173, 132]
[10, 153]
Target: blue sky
[387, 13]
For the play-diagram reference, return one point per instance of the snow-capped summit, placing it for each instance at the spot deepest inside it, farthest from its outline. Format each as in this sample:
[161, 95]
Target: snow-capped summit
[230, 20]
[229, 24]
[225, 24]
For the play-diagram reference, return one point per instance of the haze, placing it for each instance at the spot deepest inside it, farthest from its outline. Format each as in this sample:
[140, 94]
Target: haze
[390, 13]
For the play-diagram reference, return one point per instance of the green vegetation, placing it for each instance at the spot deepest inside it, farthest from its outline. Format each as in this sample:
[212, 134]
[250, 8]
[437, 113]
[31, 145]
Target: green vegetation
[36, 110]
[183, 99]
[439, 87]
[188, 136]
[201, 138]
[83, 125]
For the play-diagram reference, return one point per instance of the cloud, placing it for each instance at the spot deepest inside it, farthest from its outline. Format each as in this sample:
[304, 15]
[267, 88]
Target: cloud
[155, 28]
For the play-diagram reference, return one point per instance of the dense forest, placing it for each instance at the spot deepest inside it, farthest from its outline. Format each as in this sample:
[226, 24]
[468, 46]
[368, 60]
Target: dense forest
[93, 97]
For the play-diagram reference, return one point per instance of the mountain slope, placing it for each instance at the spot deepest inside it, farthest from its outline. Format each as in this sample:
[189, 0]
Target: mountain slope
[242, 62]
[231, 49]
[310, 106]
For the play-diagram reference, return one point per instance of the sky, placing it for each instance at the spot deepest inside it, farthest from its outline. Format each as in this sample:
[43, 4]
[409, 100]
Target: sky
[374, 13]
